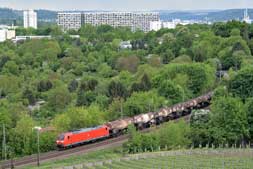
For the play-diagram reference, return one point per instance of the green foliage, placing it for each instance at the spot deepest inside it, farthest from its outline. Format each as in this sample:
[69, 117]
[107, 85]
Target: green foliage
[30, 96]
[144, 85]
[11, 67]
[235, 32]
[171, 91]
[167, 56]
[79, 117]
[142, 102]
[85, 98]
[199, 124]
[228, 121]
[202, 51]
[44, 86]
[8, 85]
[47, 141]
[169, 136]
[73, 85]
[175, 135]
[116, 89]
[182, 59]
[200, 76]
[67, 73]
[23, 137]
[241, 84]
[58, 99]
[128, 63]
[249, 110]
[140, 142]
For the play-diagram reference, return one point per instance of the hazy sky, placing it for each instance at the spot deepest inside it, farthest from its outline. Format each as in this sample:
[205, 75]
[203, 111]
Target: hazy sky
[126, 4]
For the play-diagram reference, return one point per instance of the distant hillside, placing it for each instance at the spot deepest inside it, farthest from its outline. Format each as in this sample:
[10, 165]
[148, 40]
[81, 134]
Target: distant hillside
[210, 15]
[8, 15]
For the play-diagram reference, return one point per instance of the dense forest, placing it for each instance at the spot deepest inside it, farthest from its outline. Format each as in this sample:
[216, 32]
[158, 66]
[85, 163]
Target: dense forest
[70, 83]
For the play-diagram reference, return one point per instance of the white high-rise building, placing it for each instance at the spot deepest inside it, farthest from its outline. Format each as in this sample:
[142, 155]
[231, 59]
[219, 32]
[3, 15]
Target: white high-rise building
[155, 25]
[246, 17]
[30, 19]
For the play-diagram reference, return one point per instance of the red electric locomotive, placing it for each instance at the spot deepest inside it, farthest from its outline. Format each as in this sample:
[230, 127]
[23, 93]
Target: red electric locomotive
[81, 136]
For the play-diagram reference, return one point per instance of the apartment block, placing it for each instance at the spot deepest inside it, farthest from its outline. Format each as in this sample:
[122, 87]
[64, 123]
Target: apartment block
[6, 34]
[69, 21]
[133, 20]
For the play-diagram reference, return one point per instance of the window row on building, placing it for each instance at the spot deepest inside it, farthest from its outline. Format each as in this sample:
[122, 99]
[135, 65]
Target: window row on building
[134, 20]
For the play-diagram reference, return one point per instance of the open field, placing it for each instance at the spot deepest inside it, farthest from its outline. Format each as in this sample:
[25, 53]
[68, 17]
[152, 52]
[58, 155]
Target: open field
[192, 159]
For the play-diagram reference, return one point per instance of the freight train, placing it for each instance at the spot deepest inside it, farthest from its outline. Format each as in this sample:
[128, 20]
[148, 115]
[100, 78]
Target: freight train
[118, 127]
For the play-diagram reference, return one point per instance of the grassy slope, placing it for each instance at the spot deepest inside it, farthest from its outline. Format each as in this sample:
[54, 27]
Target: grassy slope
[86, 158]
[218, 159]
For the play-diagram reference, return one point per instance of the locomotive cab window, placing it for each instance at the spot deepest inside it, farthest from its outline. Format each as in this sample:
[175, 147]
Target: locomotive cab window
[61, 137]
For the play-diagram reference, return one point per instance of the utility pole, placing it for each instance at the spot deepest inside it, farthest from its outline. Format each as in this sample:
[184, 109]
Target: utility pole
[38, 144]
[38, 147]
[4, 150]
[121, 108]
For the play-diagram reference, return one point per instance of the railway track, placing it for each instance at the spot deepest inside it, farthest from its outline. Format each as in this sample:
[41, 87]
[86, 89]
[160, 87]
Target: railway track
[54, 155]
[29, 160]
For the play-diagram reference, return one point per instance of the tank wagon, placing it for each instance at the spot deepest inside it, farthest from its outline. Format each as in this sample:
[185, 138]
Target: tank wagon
[145, 120]
[118, 127]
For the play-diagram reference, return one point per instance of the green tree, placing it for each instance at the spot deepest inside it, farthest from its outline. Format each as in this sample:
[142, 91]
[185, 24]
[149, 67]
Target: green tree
[228, 121]
[3, 60]
[58, 99]
[167, 56]
[175, 135]
[22, 137]
[241, 84]
[199, 124]
[202, 51]
[117, 89]
[47, 141]
[30, 96]
[143, 102]
[230, 59]
[62, 122]
[79, 117]
[201, 77]
[235, 32]
[171, 91]
[85, 98]
[144, 85]
[11, 67]
[184, 37]
[8, 84]
[44, 85]
[182, 59]
[128, 63]
[73, 85]
[250, 43]
[221, 29]
[249, 109]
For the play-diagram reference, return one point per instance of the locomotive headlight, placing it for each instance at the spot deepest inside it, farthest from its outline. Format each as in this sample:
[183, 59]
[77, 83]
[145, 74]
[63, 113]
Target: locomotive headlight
[59, 142]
